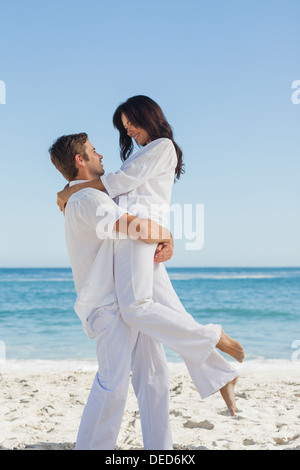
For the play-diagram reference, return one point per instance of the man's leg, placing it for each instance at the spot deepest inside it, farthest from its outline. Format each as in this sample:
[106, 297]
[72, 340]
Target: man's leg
[104, 410]
[133, 266]
[150, 380]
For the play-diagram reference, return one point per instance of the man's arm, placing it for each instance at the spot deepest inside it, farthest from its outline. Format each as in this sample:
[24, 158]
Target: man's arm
[145, 230]
[102, 214]
[148, 231]
[164, 252]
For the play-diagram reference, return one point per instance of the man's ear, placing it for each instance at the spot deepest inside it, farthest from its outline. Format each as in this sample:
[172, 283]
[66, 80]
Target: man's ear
[79, 161]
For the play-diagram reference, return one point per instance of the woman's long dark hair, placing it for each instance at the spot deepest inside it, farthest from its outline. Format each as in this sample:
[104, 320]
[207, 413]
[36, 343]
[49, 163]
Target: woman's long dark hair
[143, 112]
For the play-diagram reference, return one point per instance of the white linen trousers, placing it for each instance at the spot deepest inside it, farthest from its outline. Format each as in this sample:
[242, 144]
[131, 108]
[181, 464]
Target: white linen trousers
[119, 350]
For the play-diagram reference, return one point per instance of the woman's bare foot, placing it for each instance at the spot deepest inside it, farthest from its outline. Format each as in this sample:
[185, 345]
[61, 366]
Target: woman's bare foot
[228, 395]
[231, 347]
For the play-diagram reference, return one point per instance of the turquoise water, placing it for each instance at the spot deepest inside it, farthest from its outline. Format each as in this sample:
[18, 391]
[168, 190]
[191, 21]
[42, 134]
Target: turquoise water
[258, 306]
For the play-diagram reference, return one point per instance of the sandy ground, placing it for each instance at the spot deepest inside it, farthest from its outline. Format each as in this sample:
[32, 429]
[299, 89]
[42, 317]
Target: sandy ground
[41, 410]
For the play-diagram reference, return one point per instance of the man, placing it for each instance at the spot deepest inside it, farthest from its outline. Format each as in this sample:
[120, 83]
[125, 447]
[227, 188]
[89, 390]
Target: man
[90, 242]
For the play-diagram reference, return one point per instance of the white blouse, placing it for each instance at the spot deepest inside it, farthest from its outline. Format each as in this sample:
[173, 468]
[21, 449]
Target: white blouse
[143, 185]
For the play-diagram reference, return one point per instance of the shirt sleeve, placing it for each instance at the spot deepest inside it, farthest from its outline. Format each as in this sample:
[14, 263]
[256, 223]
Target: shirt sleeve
[156, 158]
[97, 211]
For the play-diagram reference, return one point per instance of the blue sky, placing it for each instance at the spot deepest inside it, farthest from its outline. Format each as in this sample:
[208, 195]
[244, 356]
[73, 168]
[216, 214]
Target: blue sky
[221, 71]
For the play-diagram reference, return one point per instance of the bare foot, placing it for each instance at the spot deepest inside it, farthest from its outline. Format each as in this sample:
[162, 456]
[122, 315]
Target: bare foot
[228, 394]
[231, 347]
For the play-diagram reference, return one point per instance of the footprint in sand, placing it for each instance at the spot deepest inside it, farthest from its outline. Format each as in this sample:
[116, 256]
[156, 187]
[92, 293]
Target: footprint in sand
[249, 442]
[203, 425]
[280, 441]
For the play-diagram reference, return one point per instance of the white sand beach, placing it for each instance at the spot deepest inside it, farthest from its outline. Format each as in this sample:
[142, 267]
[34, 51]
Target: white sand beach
[41, 407]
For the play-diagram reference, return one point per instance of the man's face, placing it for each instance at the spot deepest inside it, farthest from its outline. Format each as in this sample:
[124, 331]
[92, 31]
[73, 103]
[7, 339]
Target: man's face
[94, 165]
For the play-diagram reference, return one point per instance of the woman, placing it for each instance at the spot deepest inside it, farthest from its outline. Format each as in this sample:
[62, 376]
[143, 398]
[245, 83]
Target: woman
[146, 179]
[141, 119]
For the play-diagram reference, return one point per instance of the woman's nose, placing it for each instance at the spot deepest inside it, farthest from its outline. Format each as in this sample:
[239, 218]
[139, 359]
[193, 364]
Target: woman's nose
[129, 132]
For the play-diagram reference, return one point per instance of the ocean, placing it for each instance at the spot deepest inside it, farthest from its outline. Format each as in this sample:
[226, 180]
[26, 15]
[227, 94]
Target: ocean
[260, 307]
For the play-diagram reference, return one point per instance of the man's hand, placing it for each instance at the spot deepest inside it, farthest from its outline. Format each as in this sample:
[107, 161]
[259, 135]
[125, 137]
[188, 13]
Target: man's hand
[63, 197]
[164, 252]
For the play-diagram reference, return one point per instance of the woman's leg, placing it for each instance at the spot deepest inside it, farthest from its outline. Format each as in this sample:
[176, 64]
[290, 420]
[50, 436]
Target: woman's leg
[215, 372]
[133, 268]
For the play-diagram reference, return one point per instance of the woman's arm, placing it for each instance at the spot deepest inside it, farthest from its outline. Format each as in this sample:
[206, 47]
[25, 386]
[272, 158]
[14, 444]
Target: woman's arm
[64, 195]
[148, 163]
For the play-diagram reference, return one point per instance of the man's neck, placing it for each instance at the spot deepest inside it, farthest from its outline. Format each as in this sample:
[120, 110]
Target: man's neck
[79, 180]
[83, 176]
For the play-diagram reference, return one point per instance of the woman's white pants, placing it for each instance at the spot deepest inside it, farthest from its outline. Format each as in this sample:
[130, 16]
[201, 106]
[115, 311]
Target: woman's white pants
[129, 338]
[149, 304]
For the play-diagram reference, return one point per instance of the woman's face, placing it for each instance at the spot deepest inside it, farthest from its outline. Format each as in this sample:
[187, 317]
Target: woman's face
[137, 133]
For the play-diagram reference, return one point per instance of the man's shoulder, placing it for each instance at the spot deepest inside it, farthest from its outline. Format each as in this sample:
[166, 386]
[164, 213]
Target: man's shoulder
[88, 204]
[90, 196]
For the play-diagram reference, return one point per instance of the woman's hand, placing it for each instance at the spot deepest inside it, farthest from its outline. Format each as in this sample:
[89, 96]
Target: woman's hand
[63, 197]
[164, 252]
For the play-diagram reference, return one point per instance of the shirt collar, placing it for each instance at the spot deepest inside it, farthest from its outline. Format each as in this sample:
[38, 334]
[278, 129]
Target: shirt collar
[72, 183]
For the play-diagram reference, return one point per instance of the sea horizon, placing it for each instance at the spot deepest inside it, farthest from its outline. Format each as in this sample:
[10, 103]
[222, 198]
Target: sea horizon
[259, 306]
[170, 267]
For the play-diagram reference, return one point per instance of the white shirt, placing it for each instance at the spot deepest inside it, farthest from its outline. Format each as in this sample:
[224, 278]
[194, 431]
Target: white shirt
[145, 181]
[89, 220]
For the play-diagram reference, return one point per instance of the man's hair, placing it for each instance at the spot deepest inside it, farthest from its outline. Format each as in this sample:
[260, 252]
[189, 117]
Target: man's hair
[63, 153]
